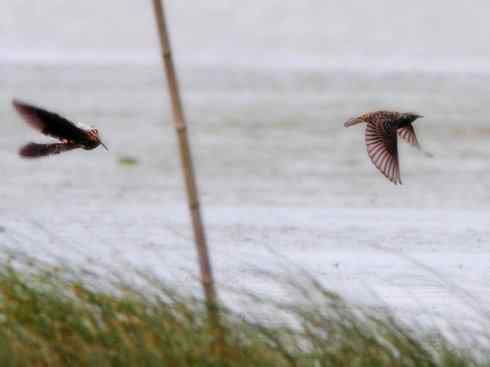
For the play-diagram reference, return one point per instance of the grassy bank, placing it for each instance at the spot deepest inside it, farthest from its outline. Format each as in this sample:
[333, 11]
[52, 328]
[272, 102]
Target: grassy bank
[51, 317]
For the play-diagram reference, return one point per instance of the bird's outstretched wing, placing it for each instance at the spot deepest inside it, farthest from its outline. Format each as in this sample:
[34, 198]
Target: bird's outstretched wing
[407, 133]
[36, 150]
[382, 148]
[50, 123]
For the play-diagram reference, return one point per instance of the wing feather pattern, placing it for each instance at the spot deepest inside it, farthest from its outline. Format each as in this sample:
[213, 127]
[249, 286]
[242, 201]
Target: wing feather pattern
[382, 148]
[407, 133]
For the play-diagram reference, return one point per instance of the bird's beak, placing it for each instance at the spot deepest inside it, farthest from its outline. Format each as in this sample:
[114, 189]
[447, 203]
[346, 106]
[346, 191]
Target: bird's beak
[105, 147]
[420, 116]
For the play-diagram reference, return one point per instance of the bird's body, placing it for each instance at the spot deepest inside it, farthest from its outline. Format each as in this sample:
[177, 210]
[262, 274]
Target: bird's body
[71, 135]
[382, 130]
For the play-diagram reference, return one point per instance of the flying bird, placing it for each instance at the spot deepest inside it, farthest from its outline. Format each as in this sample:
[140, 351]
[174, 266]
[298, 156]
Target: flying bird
[71, 135]
[382, 131]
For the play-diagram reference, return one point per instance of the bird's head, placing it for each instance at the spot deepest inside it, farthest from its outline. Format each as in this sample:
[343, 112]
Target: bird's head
[409, 117]
[95, 138]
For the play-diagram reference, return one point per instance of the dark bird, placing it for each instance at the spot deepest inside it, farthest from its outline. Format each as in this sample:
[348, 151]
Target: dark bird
[70, 134]
[381, 139]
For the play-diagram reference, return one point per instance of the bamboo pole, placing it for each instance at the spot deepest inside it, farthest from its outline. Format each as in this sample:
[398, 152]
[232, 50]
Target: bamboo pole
[188, 171]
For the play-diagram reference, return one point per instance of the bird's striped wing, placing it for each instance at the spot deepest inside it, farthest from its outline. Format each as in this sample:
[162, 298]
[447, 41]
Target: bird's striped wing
[407, 133]
[382, 148]
[35, 150]
[50, 123]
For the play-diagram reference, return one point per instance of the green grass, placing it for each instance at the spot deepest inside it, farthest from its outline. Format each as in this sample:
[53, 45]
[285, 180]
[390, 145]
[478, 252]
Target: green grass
[54, 317]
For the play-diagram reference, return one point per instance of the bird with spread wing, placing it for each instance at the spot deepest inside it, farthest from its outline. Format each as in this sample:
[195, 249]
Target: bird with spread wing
[381, 137]
[71, 135]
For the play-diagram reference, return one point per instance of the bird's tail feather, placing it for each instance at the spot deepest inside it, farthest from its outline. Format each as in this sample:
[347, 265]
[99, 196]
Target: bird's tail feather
[353, 121]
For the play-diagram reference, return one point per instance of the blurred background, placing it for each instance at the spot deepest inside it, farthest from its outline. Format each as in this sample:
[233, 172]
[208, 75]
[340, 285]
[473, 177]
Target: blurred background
[267, 86]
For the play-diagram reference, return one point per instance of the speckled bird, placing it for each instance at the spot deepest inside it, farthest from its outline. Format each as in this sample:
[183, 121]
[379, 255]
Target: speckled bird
[71, 135]
[381, 138]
